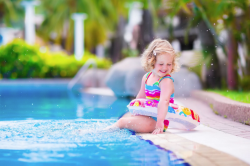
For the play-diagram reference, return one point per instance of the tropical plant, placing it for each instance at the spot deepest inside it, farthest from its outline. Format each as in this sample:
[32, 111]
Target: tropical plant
[226, 12]
[106, 19]
[102, 16]
[8, 10]
[20, 60]
[191, 12]
[149, 19]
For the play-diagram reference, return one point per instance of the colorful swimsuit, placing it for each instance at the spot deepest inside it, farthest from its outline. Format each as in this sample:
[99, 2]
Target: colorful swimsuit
[153, 92]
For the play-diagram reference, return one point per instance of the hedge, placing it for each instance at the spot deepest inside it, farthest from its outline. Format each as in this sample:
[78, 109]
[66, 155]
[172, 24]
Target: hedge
[20, 60]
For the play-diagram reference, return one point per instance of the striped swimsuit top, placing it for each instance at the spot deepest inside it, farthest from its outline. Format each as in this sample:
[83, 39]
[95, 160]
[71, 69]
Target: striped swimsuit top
[153, 92]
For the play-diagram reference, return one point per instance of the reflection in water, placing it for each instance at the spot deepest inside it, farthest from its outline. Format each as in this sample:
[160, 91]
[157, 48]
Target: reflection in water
[79, 111]
[55, 102]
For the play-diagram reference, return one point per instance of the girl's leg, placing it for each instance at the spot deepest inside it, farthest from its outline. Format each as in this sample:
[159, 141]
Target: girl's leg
[140, 124]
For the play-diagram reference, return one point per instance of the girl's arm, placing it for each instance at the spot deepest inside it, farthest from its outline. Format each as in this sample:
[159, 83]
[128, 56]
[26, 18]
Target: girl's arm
[167, 88]
[141, 93]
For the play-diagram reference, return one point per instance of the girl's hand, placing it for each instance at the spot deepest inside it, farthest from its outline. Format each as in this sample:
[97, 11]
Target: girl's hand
[158, 127]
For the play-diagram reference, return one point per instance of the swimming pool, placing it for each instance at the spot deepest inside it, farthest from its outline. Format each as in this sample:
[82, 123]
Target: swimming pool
[39, 124]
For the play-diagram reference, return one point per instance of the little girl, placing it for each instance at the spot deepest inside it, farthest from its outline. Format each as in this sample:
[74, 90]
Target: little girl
[159, 60]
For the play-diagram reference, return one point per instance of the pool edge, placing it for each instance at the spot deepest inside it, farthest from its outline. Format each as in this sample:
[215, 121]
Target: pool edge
[193, 153]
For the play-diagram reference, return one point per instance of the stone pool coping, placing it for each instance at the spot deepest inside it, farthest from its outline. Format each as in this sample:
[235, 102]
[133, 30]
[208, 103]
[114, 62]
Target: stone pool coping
[217, 141]
[225, 107]
[194, 153]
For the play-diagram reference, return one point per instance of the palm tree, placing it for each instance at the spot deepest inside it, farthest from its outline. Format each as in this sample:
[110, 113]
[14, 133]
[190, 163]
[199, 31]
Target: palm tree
[195, 17]
[8, 11]
[146, 35]
[102, 18]
[236, 25]
[211, 11]
[149, 17]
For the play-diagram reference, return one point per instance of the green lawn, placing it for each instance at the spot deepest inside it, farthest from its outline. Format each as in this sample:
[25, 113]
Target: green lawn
[234, 95]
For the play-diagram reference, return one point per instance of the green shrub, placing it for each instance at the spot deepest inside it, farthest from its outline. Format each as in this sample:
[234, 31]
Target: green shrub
[20, 60]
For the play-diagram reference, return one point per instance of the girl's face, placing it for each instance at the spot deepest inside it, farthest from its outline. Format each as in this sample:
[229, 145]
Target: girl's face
[163, 64]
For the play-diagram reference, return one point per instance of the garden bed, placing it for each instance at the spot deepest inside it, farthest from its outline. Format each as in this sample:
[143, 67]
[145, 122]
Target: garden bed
[224, 106]
[243, 97]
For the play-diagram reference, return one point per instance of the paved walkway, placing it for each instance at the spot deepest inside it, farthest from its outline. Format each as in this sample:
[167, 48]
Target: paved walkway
[210, 119]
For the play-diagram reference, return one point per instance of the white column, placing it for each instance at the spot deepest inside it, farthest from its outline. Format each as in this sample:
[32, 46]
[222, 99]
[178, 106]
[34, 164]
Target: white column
[134, 18]
[176, 45]
[79, 34]
[30, 32]
[100, 51]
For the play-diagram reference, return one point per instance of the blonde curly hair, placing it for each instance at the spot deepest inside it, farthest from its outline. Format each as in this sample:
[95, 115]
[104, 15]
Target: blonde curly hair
[157, 47]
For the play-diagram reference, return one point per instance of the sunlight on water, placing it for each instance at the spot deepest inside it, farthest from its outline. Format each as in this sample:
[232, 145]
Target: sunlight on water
[59, 141]
[53, 140]
[32, 134]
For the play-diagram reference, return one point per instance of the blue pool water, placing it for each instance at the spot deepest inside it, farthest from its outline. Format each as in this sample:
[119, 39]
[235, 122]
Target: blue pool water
[39, 125]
